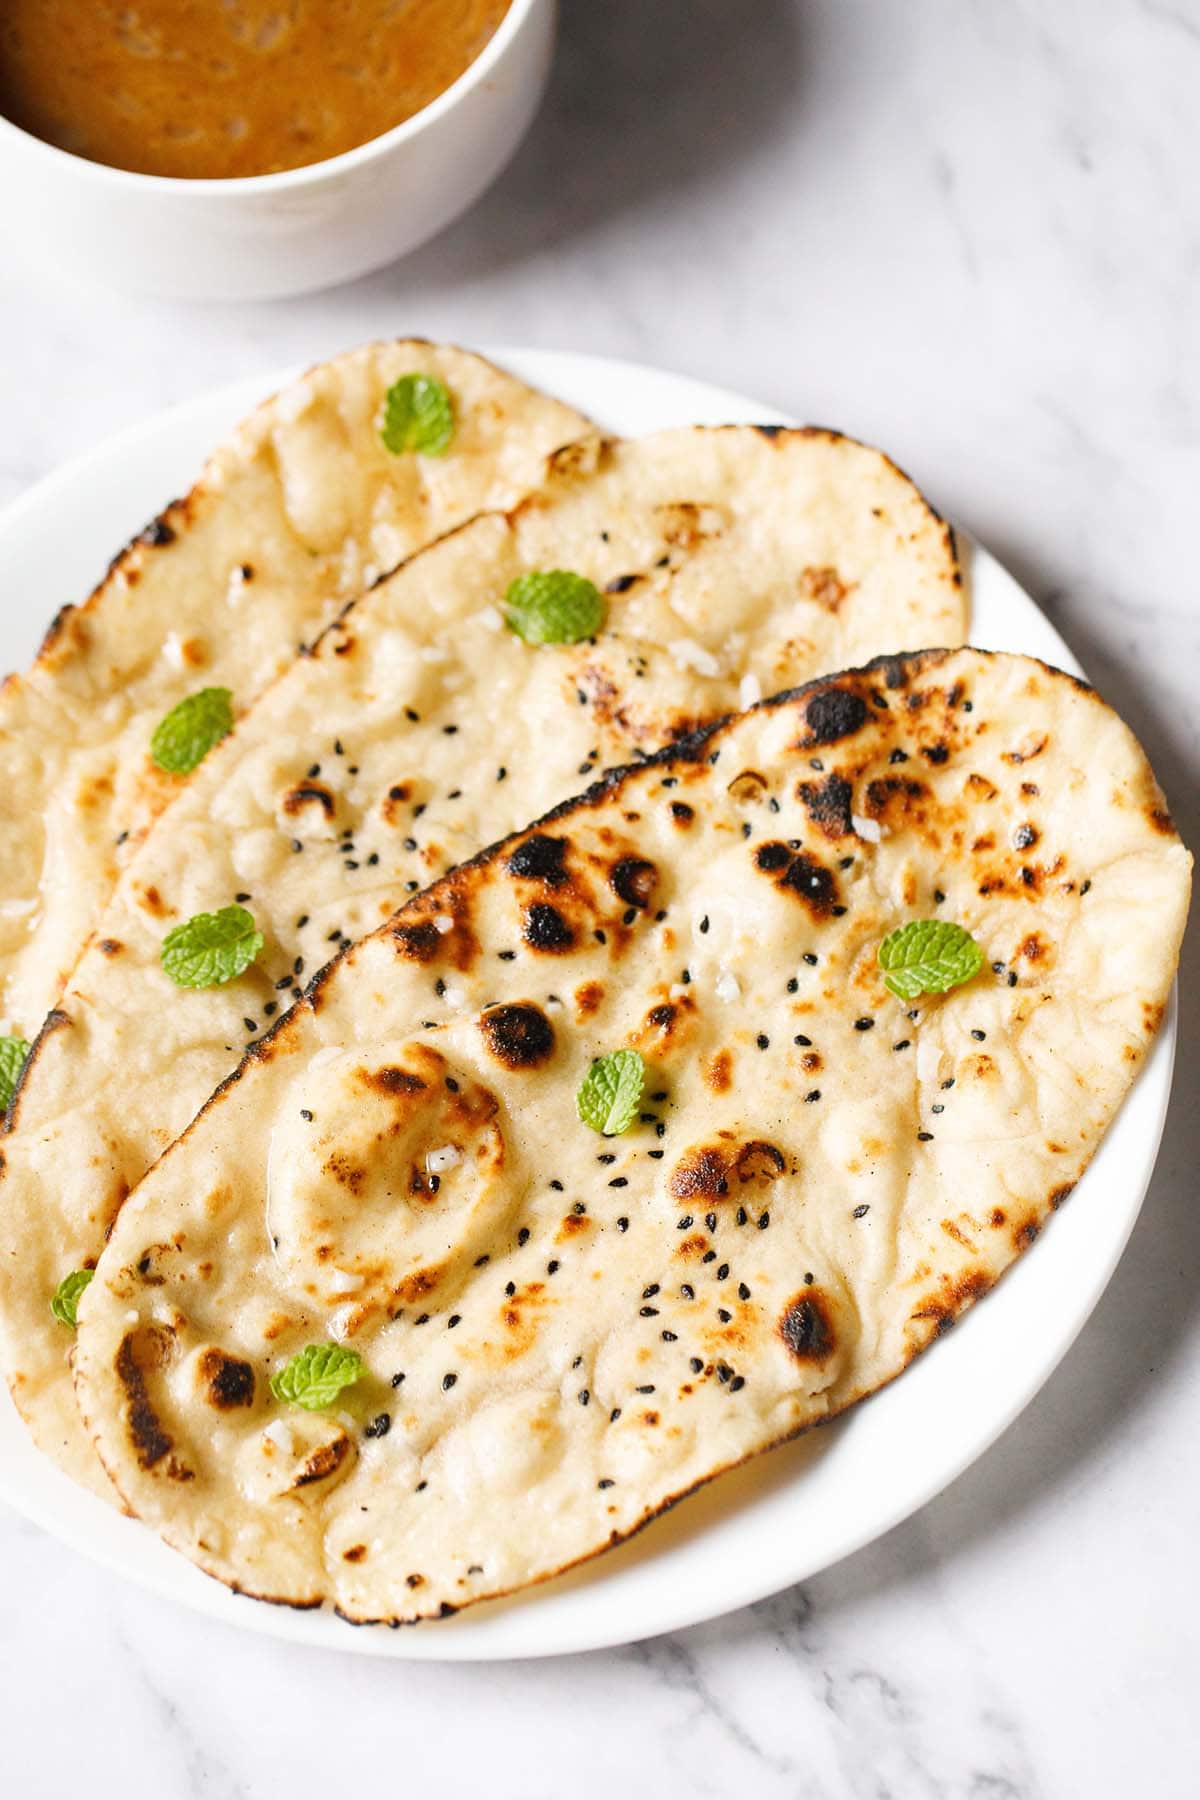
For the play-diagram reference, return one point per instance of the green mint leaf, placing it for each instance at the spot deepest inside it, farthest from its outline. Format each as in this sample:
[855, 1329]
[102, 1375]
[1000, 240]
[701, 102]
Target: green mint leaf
[928, 956]
[316, 1376]
[187, 734]
[211, 948]
[418, 414]
[13, 1051]
[66, 1295]
[608, 1096]
[553, 606]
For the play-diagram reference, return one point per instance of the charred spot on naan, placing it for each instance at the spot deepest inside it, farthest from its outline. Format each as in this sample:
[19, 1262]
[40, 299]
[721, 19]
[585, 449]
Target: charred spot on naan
[228, 1381]
[518, 1035]
[141, 1352]
[806, 1327]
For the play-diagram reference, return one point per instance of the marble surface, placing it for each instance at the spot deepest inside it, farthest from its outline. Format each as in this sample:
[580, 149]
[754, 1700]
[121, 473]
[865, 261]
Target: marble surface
[967, 232]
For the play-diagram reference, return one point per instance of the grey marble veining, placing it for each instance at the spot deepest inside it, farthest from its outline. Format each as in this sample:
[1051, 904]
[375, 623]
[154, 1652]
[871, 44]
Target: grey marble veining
[970, 233]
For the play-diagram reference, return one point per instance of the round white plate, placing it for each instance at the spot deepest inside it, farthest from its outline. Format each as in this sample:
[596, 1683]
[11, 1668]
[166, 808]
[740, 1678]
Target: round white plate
[783, 1516]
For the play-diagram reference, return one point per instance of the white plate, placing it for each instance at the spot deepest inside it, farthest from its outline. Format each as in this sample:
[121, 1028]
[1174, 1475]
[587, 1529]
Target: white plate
[783, 1516]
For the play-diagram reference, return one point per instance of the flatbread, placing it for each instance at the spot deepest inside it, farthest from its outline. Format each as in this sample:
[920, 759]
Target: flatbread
[291, 517]
[417, 731]
[565, 1333]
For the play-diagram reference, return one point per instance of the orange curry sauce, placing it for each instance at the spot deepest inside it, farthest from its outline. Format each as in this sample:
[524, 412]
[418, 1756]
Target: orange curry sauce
[229, 87]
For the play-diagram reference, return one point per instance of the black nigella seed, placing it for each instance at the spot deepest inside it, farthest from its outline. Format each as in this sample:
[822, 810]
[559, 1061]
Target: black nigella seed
[629, 916]
[747, 829]
[557, 1186]
[740, 1216]
[924, 1137]
[903, 1044]
[439, 987]
[804, 1042]
[979, 1036]
[422, 1319]
[648, 1293]
[614, 1415]
[723, 1272]
[413, 717]
[669, 1337]
[480, 1260]
[584, 1396]
[646, 1388]
[812, 1096]
[337, 747]
[1012, 978]
[314, 772]
[286, 982]
[501, 773]
[552, 1268]
[250, 1024]
[839, 912]
[523, 1235]
[938, 896]
[306, 1115]
[451, 1085]
[793, 985]
[605, 1482]
[686, 1223]
[379, 1427]
[688, 1291]
[1085, 888]
[724, 1372]
[686, 977]
[710, 1219]
[845, 862]
[398, 1379]
[704, 923]
[695, 1365]
[864, 1024]
[949, 1083]
[507, 955]
[738, 1382]
[661, 1094]
[272, 1006]
[510, 1288]
[743, 1291]
[647, 1312]
[410, 843]
[622, 1224]
[810, 958]
[450, 730]
[764, 1219]
[618, 1181]
[297, 846]
[763, 1041]
[606, 1156]
[709, 1256]
[240, 897]
[723, 1315]
[860, 1212]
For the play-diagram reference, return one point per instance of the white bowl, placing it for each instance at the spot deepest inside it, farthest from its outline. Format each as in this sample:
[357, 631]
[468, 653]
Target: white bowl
[262, 236]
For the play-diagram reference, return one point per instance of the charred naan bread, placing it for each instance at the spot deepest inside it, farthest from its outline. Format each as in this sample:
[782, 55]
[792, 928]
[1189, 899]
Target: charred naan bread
[418, 730]
[300, 509]
[561, 1332]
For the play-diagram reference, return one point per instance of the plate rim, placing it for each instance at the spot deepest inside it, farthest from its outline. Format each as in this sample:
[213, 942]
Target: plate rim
[500, 1630]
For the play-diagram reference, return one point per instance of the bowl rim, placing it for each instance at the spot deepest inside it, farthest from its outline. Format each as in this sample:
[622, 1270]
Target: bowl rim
[306, 174]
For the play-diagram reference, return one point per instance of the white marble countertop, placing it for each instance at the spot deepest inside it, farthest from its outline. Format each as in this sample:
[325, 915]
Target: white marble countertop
[968, 233]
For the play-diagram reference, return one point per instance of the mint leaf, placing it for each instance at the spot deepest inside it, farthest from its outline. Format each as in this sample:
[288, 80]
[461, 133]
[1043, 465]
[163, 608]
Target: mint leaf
[608, 1097]
[211, 948]
[553, 606]
[13, 1051]
[187, 734]
[316, 1376]
[418, 414]
[928, 956]
[66, 1295]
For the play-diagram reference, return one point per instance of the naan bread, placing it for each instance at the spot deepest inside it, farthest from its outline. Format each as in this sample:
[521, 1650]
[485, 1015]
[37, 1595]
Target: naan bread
[564, 1333]
[291, 517]
[419, 730]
